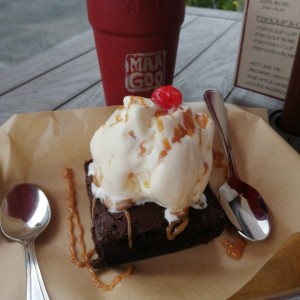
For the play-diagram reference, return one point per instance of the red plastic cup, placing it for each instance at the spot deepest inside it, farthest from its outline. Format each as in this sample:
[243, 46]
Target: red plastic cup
[136, 42]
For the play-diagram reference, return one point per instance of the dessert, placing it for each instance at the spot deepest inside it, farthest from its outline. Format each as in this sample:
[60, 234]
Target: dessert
[148, 180]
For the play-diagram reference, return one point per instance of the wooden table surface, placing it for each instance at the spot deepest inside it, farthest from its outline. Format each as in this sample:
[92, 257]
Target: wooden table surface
[68, 77]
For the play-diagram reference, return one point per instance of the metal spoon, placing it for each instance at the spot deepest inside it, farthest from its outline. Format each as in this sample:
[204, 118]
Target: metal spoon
[242, 203]
[24, 214]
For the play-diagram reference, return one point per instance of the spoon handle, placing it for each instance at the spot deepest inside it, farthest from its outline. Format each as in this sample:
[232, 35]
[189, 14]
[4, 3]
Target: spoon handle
[215, 104]
[35, 286]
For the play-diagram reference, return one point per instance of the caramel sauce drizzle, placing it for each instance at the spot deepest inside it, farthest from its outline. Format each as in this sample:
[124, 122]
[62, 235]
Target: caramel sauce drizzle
[188, 122]
[142, 148]
[159, 125]
[74, 220]
[218, 157]
[200, 140]
[179, 133]
[118, 118]
[131, 133]
[167, 147]
[122, 205]
[136, 100]
[96, 181]
[174, 229]
[188, 127]
[202, 120]
[159, 112]
[129, 228]
[234, 249]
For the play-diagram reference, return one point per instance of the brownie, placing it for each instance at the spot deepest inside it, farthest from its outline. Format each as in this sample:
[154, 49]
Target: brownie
[110, 230]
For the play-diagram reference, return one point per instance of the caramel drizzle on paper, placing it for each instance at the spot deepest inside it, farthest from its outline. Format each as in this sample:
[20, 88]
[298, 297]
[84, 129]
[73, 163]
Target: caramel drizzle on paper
[234, 249]
[74, 221]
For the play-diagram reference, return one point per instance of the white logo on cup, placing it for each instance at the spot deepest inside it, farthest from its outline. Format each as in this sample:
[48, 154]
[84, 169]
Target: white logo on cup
[145, 71]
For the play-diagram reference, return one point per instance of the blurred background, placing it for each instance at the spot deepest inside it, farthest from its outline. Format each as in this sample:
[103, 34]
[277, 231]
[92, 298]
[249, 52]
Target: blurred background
[233, 5]
[31, 26]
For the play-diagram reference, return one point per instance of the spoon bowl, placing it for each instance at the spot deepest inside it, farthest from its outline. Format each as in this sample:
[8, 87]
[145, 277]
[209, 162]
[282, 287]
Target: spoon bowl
[24, 215]
[241, 202]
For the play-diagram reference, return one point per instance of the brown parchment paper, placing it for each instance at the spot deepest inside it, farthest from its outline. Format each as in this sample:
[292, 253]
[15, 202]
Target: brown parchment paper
[37, 147]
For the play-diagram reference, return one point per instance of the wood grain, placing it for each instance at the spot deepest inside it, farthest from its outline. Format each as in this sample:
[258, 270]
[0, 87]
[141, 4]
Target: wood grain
[213, 68]
[213, 13]
[247, 98]
[55, 87]
[46, 61]
[68, 76]
[196, 37]
[51, 59]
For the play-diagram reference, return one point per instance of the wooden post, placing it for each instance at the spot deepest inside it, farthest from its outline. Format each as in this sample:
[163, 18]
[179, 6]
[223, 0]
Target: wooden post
[290, 118]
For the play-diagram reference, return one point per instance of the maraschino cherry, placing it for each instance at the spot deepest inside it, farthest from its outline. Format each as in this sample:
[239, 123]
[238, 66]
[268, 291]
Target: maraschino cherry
[167, 97]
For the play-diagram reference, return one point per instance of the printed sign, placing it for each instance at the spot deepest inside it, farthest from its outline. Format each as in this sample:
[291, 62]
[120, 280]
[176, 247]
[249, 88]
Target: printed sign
[145, 71]
[270, 35]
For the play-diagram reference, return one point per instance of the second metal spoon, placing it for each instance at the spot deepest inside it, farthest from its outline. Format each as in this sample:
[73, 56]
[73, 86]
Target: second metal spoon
[24, 214]
[242, 203]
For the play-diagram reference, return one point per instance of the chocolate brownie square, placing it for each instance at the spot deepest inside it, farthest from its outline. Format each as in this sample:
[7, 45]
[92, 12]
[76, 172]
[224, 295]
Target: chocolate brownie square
[141, 232]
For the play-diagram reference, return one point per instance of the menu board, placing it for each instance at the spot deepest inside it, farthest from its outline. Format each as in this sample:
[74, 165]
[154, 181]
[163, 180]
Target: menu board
[269, 39]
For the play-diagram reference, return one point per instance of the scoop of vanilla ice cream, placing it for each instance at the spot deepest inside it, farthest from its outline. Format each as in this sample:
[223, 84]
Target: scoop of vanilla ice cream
[142, 154]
